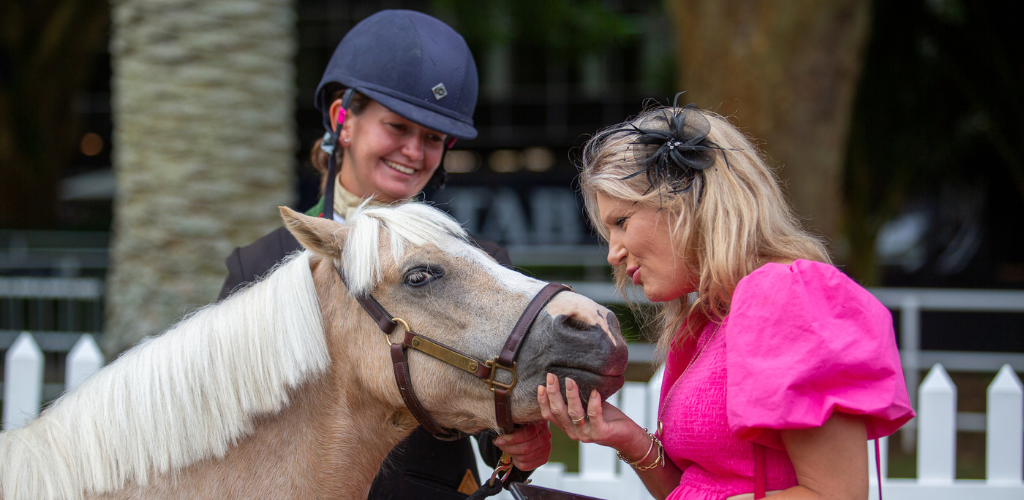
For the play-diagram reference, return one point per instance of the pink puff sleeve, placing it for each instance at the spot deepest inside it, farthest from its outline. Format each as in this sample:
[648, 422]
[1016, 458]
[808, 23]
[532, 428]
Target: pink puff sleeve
[804, 340]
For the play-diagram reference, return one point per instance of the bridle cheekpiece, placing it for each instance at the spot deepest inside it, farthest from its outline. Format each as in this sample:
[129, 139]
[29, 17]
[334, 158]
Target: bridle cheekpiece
[484, 370]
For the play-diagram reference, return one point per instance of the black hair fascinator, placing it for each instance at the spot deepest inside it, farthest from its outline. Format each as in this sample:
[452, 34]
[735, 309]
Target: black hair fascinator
[676, 152]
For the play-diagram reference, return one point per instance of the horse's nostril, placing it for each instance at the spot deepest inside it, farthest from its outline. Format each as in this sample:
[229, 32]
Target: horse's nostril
[572, 323]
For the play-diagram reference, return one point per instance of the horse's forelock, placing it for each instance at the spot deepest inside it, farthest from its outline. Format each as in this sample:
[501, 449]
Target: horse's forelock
[408, 224]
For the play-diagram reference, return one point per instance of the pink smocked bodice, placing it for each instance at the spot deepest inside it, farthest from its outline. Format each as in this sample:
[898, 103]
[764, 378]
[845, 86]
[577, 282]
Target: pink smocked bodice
[801, 341]
[696, 434]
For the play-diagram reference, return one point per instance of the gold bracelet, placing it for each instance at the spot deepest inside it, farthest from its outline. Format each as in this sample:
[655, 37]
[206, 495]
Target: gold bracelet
[633, 464]
[659, 460]
[659, 456]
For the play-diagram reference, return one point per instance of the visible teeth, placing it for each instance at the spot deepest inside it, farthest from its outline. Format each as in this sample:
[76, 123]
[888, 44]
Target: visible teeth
[400, 168]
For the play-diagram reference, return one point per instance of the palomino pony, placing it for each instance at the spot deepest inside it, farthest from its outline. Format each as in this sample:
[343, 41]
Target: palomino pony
[286, 389]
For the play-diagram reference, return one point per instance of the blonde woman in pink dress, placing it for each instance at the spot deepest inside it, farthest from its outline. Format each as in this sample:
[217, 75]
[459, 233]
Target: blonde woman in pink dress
[779, 367]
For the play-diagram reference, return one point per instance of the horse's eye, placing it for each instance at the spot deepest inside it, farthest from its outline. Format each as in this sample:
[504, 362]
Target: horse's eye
[420, 276]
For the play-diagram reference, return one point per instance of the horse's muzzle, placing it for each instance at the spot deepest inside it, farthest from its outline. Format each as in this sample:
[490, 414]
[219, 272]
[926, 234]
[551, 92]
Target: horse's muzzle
[586, 347]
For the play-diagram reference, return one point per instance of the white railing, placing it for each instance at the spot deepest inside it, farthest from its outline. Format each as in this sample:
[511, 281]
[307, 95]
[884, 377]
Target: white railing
[49, 304]
[602, 476]
[23, 376]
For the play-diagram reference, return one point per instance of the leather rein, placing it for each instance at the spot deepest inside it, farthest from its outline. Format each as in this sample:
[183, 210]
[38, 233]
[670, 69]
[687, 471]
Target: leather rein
[484, 370]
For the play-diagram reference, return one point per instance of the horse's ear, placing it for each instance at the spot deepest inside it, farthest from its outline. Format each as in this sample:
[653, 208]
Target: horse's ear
[321, 236]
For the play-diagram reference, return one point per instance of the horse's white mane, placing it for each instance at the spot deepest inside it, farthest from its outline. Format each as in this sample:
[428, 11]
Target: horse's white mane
[412, 224]
[183, 396]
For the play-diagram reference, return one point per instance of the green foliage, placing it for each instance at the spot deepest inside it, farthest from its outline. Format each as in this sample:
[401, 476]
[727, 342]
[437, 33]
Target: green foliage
[562, 28]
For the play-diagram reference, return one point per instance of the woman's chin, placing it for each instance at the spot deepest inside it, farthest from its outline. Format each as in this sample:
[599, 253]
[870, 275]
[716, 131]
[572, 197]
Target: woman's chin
[395, 189]
[655, 295]
[651, 293]
[390, 192]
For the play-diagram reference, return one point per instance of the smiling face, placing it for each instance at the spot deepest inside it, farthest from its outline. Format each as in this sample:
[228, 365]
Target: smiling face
[639, 239]
[387, 156]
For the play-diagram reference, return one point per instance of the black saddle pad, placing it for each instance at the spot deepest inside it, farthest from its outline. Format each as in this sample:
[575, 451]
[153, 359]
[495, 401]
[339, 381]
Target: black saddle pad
[522, 491]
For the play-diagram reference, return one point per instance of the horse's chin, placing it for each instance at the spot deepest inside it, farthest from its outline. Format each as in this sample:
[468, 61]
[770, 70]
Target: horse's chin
[606, 384]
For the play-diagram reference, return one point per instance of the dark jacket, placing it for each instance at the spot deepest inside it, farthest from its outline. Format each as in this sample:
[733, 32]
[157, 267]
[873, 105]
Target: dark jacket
[420, 467]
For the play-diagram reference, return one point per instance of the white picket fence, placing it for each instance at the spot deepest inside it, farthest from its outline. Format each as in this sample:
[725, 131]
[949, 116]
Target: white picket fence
[23, 376]
[603, 476]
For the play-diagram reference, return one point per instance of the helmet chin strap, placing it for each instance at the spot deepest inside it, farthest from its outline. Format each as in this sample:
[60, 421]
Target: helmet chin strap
[329, 145]
[332, 171]
[440, 176]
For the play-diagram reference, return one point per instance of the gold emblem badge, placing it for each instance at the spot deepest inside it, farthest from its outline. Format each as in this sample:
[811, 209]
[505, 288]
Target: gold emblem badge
[468, 484]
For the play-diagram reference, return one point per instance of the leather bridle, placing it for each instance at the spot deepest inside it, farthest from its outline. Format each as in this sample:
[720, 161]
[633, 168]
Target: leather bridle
[485, 370]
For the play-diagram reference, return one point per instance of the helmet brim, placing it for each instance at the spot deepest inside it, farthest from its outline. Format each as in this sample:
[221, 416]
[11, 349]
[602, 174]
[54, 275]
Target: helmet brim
[420, 115]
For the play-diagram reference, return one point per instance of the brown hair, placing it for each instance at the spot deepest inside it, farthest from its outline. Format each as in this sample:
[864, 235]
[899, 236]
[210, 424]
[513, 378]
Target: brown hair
[318, 157]
[733, 220]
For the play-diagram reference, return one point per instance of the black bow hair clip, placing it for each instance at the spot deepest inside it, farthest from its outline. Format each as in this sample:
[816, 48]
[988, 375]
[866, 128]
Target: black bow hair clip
[676, 153]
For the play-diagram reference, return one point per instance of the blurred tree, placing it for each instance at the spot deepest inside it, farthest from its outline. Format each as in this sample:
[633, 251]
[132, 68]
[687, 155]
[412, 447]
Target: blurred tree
[786, 73]
[939, 109]
[46, 52]
[528, 42]
[560, 28]
[203, 96]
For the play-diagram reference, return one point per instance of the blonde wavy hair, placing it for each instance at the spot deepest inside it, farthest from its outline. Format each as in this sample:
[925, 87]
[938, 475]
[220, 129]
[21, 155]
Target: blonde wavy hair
[732, 220]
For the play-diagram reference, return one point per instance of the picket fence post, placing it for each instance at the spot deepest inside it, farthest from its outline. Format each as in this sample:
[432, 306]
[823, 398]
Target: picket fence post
[654, 398]
[23, 387]
[1004, 441]
[84, 359]
[634, 405]
[936, 428]
[597, 465]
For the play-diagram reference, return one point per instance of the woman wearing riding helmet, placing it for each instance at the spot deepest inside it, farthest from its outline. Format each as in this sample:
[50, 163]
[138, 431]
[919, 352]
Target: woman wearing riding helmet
[399, 89]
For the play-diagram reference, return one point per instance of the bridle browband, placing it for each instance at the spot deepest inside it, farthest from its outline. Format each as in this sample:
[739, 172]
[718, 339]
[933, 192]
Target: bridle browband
[485, 370]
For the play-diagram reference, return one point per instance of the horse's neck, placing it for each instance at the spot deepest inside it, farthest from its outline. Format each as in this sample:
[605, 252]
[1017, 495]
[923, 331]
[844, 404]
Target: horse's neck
[323, 445]
[339, 428]
[328, 442]
[356, 425]
[355, 433]
[332, 439]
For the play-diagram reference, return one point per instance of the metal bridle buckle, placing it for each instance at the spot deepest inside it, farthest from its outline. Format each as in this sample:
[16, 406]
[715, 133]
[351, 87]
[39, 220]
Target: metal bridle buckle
[387, 339]
[494, 366]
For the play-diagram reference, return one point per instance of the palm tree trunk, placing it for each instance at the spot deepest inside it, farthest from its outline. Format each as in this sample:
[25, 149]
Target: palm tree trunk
[203, 149]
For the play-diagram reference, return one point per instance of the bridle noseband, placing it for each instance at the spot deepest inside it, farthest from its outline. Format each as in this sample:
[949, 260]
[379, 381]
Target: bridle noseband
[485, 370]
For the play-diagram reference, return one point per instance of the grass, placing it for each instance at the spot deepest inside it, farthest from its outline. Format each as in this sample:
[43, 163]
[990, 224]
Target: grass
[970, 457]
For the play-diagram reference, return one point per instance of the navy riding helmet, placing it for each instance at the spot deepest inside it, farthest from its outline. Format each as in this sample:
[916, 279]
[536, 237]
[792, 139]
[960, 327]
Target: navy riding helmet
[414, 65]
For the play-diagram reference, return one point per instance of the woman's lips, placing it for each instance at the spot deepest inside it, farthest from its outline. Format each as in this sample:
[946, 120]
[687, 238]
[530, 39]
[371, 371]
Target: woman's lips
[634, 272]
